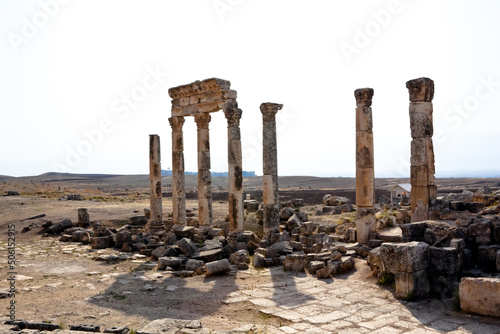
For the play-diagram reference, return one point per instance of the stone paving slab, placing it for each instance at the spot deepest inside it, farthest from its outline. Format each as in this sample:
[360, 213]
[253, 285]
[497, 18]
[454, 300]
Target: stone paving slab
[352, 306]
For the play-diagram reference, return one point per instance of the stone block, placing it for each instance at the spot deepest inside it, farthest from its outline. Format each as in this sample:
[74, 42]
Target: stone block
[294, 262]
[138, 220]
[408, 257]
[259, 260]
[209, 255]
[187, 246]
[251, 205]
[286, 213]
[197, 266]
[415, 231]
[411, 285]
[278, 249]
[100, 242]
[444, 260]
[293, 222]
[240, 256]
[480, 296]
[421, 120]
[487, 256]
[82, 236]
[313, 266]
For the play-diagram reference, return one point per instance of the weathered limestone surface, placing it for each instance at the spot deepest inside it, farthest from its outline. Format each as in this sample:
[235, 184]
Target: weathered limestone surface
[480, 296]
[204, 174]
[178, 180]
[155, 221]
[270, 163]
[365, 173]
[235, 168]
[423, 190]
[83, 217]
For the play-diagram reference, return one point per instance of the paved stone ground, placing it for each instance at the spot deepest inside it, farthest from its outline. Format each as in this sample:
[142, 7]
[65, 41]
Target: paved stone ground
[348, 306]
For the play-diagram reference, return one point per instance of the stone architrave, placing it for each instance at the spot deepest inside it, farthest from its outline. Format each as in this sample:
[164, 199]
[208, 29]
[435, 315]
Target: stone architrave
[365, 172]
[155, 221]
[198, 99]
[270, 164]
[204, 174]
[423, 186]
[178, 179]
[235, 169]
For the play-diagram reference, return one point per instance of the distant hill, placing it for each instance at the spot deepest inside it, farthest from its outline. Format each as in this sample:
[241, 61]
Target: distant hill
[214, 174]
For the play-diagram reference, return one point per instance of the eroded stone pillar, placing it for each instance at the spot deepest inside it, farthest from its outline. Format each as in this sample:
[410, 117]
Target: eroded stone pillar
[365, 172]
[155, 221]
[270, 164]
[178, 181]
[235, 169]
[204, 176]
[423, 186]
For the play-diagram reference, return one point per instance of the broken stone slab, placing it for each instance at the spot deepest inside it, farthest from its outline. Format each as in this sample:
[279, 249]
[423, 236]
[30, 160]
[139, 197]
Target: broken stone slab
[293, 222]
[159, 252]
[81, 236]
[184, 232]
[187, 246]
[258, 260]
[240, 256]
[209, 255]
[85, 328]
[197, 266]
[307, 228]
[295, 262]
[138, 220]
[345, 264]
[117, 330]
[217, 267]
[407, 257]
[169, 326]
[480, 296]
[313, 266]
[100, 242]
[278, 249]
[392, 234]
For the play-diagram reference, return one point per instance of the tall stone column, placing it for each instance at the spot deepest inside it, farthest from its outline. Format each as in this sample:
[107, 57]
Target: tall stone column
[270, 163]
[235, 169]
[423, 186]
[155, 221]
[365, 172]
[204, 176]
[178, 181]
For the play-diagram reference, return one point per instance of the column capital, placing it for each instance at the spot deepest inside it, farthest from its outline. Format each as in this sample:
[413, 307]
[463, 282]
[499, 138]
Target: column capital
[421, 90]
[269, 110]
[364, 96]
[233, 115]
[202, 120]
[176, 123]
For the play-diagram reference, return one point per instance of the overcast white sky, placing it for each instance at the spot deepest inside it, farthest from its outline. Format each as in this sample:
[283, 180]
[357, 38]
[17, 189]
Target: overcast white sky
[83, 83]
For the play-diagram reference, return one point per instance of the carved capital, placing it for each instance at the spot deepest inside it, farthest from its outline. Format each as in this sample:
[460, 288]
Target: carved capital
[421, 90]
[176, 123]
[233, 115]
[269, 110]
[202, 120]
[364, 96]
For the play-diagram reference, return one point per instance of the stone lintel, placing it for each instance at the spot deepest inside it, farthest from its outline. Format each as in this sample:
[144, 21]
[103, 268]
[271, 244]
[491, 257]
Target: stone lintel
[206, 97]
[200, 108]
[421, 90]
[198, 87]
[364, 96]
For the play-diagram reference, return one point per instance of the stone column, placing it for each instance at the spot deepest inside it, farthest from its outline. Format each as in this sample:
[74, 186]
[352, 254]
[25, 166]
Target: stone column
[235, 170]
[204, 176]
[270, 163]
[155, 221]
[178, 181]
[423, 186]
[365, 172]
